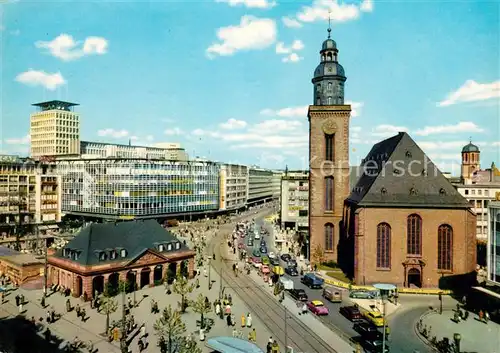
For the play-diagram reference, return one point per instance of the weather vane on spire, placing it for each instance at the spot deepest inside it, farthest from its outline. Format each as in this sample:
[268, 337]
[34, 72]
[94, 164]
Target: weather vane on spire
[329, 24]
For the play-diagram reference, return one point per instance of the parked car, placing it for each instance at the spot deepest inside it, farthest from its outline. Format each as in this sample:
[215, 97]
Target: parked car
[265, 261]
[361, 295]
[263, 250]
[312, 281]
[375, 317]
[375, 346]
[285, 257]
[291, 271]
[263, 242]
[351, 313]
[250, 242]
[299, 294]
[257, 262]
[256, 236]
[317, 307]
[367, 331]
[272, 255]
[292, 263]
[256, 253]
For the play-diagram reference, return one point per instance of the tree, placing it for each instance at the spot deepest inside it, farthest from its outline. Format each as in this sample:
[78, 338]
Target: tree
[171, 328]
[200, 307]
[183, 288]
[108, 307]
[319, 254]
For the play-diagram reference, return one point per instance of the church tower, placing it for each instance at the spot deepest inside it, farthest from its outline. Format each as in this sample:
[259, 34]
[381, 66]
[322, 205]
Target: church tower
[470, 162]
[328, 154]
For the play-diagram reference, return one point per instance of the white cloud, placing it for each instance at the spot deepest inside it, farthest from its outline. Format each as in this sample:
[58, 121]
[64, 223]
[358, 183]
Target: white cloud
[66, 48]
[366, 6]
[41, 78]
[251, 34]
[258, 4]
[465, 126]
[112, 133]
[355, 108]
[440, 146]
[291, 112]
[385, 130]
[496, 144]
[233, 124]
[472, 91]
[25, 140]
[172, 132]
[355, 128]
[271, 126]
[291, 22]
[292, 58]
[321, 10]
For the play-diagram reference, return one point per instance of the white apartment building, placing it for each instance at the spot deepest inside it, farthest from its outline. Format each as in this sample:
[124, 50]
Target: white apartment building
[493, 249]
[54, 130]
[263, 185]
[233, 186]
[294, 210]
[170, 151]
[30, 193]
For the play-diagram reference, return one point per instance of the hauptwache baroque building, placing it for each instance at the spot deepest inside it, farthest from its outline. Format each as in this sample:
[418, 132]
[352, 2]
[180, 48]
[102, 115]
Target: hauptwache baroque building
[403, 222]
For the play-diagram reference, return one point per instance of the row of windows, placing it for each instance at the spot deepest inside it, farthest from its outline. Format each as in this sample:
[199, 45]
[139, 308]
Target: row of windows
[414, 243]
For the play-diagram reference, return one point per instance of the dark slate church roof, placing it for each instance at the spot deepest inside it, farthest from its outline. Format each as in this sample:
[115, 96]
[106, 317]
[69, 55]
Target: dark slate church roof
[135, 237]
[397, 173]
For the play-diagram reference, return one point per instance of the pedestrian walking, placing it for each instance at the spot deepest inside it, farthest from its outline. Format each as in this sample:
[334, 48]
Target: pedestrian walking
[68, 305]
[275, 347]
[228, 320]
[141, 345]
[17, 300]
[249, 320]
[233, 320]
[143, 331]
[269, 347]
[253, 335]
[387, 332]
[77, 310]
[83, 314]
[21, 308]
[243, 321]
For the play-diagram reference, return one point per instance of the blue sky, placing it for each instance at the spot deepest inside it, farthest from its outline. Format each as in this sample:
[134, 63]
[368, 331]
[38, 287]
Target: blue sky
[231, 79]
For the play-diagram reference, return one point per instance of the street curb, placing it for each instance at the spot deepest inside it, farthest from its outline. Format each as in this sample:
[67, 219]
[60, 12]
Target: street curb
[419, 335]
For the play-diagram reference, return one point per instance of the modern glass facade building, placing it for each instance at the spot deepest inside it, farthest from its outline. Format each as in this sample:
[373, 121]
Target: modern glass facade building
[493, 261]
[263, 184]
[138, 188]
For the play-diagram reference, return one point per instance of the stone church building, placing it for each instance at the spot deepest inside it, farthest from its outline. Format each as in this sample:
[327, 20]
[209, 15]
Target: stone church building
[403, 222]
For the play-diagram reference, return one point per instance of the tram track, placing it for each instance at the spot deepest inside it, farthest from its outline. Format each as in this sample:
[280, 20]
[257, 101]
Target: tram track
[281, 322]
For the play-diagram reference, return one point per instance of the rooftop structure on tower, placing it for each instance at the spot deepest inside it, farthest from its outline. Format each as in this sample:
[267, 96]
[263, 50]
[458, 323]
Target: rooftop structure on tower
[55, 105]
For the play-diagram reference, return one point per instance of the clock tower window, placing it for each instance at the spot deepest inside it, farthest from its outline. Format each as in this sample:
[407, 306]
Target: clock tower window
[330, 101]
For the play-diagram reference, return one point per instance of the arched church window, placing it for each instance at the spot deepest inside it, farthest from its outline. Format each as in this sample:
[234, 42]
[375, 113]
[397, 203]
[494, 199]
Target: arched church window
[329, 56]
[330, 101]
[322, 58]
[318, 101]
[318, 88]
[329, 86]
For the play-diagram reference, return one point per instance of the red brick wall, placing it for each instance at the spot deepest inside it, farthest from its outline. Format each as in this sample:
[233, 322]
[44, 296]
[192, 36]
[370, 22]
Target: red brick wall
[319, 169]
[463, 223]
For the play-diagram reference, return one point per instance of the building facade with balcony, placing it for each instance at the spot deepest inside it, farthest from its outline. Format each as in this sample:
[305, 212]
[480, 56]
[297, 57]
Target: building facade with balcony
[30, 194]
[116, 188]
[493, 249]
[233, 186]
[170, 151]
[263, 185]
[54, 129]
[104, 255]
[294, 210]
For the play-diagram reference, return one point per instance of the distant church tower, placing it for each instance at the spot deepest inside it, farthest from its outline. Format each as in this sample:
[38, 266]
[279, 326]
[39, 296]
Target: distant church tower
[328, 154]
[470, 162]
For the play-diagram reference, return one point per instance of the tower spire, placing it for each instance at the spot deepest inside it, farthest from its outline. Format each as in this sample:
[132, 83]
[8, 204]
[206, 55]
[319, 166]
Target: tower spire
[329, 24]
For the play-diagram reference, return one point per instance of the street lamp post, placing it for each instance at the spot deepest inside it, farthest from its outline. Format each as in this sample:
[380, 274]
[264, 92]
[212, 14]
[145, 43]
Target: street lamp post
[135, 287]
[384, 290]
[457, 338]
[123, 338]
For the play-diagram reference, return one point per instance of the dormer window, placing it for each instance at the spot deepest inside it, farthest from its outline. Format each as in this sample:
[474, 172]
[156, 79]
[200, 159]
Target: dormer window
[102, 256]
[123, 253]
[442, 191]
[112, 254]
[161, 248]
[177, 246]
[413, 192]
[74, 255]
[66, 252]
[383, 191]
[408, 154]
[169, 247]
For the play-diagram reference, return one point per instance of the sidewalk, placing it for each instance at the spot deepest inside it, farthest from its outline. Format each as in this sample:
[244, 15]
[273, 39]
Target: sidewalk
[476, 336]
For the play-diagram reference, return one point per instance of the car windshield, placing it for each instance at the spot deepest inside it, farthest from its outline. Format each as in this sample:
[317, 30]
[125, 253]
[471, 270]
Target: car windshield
[318, 304]
[376, 315]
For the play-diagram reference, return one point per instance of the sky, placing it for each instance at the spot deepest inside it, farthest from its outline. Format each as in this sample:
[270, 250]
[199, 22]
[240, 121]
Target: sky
[230, 80]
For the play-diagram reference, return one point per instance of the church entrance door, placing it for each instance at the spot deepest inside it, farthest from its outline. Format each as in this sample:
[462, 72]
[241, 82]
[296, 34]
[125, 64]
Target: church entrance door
[414, 278]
